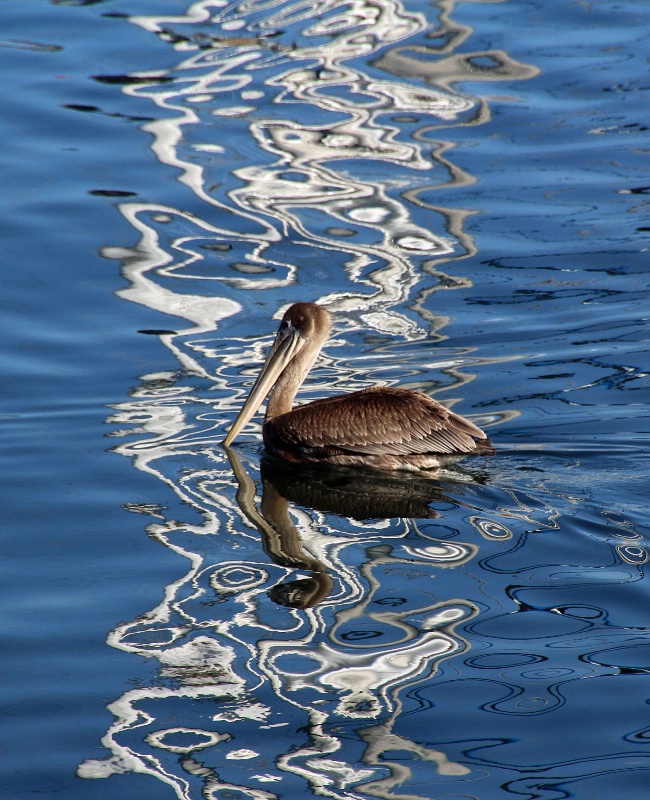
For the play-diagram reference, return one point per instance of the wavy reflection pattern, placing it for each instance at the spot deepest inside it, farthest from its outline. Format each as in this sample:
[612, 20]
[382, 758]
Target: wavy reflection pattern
[296, 651]
[298, 152]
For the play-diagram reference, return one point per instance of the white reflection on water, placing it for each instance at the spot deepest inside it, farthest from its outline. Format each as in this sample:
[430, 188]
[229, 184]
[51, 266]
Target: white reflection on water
[304, 168]
[217, 637]
[320, 163]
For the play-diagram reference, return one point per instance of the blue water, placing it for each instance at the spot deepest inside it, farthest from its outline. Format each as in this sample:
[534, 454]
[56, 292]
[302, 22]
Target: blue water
[467, 191]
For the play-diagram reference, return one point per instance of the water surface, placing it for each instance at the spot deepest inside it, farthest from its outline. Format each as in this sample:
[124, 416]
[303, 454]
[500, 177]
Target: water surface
[464, 185]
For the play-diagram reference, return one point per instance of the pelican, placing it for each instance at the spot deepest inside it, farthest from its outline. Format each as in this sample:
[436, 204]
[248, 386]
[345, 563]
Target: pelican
[384, 428]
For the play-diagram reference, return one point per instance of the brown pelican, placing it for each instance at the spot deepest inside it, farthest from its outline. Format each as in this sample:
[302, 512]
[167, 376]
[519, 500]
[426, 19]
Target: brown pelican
[380, 427]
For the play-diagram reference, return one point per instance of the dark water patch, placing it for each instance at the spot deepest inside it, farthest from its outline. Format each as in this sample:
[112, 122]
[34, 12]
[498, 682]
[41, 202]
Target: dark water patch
[38, 47]
[132, 80]
[111, 193]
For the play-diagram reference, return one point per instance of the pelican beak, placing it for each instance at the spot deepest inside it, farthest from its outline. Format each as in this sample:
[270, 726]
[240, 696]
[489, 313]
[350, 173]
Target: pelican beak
[287, 343]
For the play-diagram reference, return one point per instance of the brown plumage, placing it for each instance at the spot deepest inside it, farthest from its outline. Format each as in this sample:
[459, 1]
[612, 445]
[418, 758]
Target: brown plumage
[380, 427]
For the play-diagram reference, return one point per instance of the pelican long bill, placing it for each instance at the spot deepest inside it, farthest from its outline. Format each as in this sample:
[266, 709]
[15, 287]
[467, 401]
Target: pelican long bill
[287, 343]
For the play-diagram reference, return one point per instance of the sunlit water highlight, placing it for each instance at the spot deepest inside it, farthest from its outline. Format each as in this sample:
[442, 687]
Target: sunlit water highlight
[463, 186]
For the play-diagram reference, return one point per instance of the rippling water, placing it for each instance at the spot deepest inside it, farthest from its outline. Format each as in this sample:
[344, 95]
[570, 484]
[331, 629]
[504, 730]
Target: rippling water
[464, 185]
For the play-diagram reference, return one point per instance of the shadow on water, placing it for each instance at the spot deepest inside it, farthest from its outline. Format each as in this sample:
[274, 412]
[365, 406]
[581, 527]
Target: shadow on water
[356, 493]
[350, 634]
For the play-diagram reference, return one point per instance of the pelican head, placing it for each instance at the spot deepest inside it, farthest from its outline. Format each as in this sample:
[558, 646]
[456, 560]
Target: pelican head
[302, 332]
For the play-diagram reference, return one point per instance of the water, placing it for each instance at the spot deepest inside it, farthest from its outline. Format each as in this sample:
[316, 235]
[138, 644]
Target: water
[466, 188]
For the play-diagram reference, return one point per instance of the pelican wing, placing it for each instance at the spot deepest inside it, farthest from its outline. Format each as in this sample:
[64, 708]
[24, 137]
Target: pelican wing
[375, 421]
